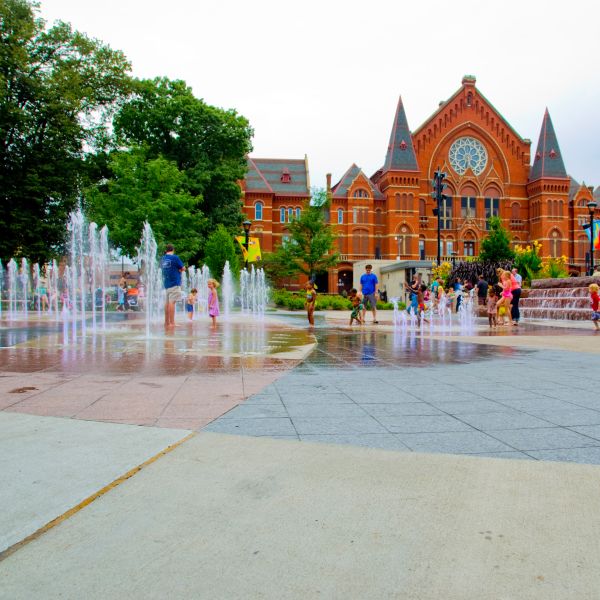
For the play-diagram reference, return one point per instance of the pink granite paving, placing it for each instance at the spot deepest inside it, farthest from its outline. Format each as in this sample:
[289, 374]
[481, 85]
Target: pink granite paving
[185, 381]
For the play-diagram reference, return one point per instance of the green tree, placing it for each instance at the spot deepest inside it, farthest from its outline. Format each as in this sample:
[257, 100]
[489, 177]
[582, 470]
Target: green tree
[147, 189]
[57, 91]
[218, 249]
[496, 246]
[208, 144]
[310, 248]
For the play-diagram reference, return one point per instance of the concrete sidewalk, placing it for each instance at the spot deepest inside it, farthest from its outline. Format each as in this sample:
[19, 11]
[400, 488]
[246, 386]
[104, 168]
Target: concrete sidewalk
[230, 517]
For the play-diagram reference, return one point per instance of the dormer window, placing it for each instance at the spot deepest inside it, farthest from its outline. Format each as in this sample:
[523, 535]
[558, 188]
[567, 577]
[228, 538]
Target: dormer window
[403, 145]
[552, 153]
[286, 177]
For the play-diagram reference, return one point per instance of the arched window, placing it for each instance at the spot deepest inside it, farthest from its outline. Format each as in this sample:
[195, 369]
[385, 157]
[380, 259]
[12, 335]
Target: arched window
[258, 211]
[290, 214]
[422, 207]
[467, 202]
[404, 202]
[298, 212]
[340, 216]
[421, 247]
[360, 193]
[555, 243]
[360, 241]
[403, 242]
[582, 247]
[491, 204]
[397, 201]
[378, 217]
[515, 211]
[282, 215]
[449, 246]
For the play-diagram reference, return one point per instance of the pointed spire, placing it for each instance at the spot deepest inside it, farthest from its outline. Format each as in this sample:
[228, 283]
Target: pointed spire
[400, 153]
[547, 161]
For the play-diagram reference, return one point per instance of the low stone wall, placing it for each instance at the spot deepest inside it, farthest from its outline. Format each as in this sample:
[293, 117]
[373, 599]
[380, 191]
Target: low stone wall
[565, 282]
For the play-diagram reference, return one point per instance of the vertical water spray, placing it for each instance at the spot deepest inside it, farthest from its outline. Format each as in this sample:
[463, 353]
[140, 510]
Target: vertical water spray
[104, 265]
[24, 277]
[151, 276]
[12, 271]
[227, 290]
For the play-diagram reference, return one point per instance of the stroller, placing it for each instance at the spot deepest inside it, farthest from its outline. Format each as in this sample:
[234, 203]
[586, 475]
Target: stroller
[131, 299]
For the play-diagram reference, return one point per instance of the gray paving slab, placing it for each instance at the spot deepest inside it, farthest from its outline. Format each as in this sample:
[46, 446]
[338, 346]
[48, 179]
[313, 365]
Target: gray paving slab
[329, 410]
[422, 424]
[543, 439]
[401, 408]
[509, 419]
[337, 425]
[456, 442]
[48, 465]
[468, 406]
[271, 519]
[589, 455]
[568, 417]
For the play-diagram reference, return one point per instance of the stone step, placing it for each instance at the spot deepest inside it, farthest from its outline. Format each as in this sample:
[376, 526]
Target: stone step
[559, 292]
[561, 314]
[567, 302]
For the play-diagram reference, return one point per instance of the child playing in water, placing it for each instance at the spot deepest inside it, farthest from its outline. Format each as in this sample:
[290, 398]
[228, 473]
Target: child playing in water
[190, 301]
[421, 308]
[309, 303]
[357, 306]
[505, 298]
[492, 310]
[213, 301]
[595, 298]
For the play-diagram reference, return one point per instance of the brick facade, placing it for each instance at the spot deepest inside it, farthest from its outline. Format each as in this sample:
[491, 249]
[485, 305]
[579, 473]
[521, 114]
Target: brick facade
[389, 215]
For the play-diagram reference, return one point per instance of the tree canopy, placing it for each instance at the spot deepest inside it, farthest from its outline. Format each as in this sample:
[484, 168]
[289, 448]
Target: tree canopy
[309, 249]
[209, 145]
[147, 189]
[496, 246]
[58, 89]
[220, 248]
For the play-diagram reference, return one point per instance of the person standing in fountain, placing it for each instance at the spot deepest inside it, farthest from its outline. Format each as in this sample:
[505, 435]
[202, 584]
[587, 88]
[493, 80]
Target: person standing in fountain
[172, 268]
[309, 303]
[515, 288]
[595, 298]
[369, 289]
[213, 301]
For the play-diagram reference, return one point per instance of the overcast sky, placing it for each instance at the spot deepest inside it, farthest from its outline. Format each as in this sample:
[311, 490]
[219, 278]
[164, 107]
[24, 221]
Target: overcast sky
[323, 78]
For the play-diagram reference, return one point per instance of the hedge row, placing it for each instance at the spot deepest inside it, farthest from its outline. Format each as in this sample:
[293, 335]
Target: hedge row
[295, 301]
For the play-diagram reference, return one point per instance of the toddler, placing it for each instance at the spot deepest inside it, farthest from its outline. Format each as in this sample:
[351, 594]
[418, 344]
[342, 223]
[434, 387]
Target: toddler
[213, 301]
[190, 301]
[357, 306]
[492, 300]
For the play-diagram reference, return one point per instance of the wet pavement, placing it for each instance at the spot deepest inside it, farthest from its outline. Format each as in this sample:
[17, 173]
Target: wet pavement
[512, 392]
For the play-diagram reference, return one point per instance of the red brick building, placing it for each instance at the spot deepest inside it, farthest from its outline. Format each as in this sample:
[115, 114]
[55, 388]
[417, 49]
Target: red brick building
[389, 215]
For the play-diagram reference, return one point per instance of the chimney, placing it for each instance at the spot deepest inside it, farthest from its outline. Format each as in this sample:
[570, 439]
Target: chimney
[328, 176]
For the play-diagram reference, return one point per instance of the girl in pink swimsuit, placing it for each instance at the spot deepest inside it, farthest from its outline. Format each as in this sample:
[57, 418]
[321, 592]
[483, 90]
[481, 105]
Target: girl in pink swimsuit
[213, 301]
[505, 299]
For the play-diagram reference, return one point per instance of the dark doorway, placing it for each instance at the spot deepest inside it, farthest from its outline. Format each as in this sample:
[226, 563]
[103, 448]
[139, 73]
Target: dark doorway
[322, 282]
[344, 281]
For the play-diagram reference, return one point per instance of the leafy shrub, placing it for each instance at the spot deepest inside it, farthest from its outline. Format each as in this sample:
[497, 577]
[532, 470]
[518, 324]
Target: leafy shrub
[554, 268]
[528, 260]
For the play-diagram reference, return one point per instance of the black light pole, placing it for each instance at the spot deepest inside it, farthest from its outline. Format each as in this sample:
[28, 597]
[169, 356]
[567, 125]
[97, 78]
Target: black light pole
[439, 197]
[247, 225]
[592, 207]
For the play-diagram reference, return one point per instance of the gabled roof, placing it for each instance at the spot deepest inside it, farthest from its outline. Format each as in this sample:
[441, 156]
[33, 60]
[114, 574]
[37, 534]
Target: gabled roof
[340, 189]
[401, 152]
[547, 161]
[468, 81]
[270, 175]
[573, 188]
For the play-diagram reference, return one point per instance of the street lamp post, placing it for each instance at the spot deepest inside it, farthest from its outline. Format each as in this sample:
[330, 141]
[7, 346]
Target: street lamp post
[247, 224]
[439, 197]
[592, 207]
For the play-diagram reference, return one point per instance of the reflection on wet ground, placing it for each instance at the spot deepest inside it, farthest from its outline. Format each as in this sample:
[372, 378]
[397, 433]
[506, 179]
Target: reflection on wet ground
[244, 342]
[124, 348]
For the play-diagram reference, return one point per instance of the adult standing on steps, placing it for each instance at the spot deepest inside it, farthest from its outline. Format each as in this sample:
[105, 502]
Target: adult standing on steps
[172, 267]
[369, 288]
[515, 289]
